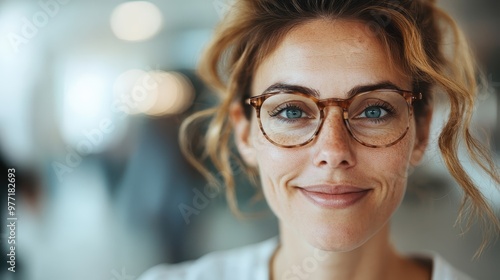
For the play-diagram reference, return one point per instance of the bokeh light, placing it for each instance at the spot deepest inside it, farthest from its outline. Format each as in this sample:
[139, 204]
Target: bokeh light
[136, 20]
[175, 94]
[155, 93]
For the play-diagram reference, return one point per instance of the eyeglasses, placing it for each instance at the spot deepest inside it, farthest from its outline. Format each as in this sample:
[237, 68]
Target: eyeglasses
[378, 118]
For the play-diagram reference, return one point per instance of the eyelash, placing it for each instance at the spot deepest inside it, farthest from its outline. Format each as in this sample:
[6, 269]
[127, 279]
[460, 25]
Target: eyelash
[391, 111]
[387, 107]
[283, 107]
[383, 105]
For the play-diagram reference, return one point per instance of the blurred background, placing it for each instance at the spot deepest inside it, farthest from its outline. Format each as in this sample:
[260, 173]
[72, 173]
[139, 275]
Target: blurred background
[91, 98]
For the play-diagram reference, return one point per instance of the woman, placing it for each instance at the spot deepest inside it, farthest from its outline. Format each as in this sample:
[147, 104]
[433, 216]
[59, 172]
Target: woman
[342, 102]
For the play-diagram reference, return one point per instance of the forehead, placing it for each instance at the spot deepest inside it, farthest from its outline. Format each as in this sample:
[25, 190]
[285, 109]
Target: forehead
[331, 56]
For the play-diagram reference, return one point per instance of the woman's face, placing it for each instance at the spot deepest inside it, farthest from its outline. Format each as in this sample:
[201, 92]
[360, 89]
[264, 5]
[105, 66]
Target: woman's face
[333, 192]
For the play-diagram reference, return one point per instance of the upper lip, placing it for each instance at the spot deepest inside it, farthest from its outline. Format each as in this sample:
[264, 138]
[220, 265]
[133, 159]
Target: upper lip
[333, 189]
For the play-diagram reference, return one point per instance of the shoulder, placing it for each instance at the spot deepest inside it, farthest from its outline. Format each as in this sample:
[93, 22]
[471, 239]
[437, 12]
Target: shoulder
[442, 270]
[249, 262]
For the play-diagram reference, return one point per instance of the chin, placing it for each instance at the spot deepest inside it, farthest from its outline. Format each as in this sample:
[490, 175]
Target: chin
[338, 239]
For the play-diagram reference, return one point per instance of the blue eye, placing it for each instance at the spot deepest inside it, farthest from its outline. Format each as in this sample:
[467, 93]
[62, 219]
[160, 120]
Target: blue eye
[293, 113]
[289, 112]
[374, 112]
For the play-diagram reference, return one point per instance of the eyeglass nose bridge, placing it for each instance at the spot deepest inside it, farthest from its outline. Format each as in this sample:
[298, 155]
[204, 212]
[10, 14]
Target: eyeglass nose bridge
[336, 102]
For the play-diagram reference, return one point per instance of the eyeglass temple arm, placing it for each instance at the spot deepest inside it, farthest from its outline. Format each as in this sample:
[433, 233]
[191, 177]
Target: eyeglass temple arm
[417, 96]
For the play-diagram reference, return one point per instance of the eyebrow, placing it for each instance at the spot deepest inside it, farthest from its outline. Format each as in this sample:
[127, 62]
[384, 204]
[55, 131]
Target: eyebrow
[290, 88]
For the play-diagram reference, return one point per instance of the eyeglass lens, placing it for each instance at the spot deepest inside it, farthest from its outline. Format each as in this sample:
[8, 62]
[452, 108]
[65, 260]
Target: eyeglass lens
[375, 118]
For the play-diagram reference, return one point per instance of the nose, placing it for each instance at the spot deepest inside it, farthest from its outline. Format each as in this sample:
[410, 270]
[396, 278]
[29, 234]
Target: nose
[334, 146]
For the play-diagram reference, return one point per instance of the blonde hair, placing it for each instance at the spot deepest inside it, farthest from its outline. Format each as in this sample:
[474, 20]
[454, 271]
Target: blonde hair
[413, 33]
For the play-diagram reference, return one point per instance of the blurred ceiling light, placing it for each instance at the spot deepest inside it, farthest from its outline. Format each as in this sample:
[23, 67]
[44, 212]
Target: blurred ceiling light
[84, 98]
[135, 91]
[175, 94]
[87, 121]
[136, 20]
[153, 93]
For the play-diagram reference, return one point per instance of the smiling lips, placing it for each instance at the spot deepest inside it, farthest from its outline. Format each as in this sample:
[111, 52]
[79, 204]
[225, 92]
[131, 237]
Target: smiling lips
[334, 196]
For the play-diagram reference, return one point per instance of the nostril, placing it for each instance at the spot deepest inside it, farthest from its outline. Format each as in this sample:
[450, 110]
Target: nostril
[334, 150]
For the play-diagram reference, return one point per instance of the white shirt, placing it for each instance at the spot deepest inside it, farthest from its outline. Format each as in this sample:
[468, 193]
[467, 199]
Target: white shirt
[252, 263]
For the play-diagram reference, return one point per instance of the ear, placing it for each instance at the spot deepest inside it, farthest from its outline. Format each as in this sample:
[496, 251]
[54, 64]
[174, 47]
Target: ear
[241, 126]
[423, 125]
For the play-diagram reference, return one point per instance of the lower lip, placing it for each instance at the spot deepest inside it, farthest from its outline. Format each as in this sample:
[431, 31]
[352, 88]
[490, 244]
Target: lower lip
[337, 201]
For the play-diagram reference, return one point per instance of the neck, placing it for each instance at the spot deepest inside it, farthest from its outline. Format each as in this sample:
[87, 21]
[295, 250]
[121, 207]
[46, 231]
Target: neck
[375, 259]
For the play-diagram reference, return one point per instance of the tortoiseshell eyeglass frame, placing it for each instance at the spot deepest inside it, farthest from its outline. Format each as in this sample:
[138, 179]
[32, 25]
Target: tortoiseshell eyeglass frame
[409, 96]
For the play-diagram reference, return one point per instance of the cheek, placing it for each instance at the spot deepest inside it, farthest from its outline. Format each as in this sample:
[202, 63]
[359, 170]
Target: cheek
[271, 157]
[389, 167]
[277, 166]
